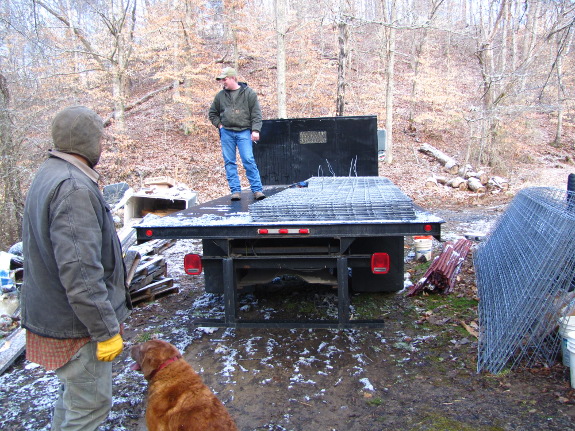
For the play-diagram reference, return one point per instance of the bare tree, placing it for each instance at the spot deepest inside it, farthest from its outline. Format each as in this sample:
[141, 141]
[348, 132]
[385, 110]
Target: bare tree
[490, 22]
[234, 26]
[562, 35]
[120, 21]
[419, 47]
[11, 203]
[390, 14]
[532, 14]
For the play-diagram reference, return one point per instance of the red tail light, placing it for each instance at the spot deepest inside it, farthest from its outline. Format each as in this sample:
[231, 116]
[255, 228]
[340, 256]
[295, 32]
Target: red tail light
[193, 264]
[380, 263]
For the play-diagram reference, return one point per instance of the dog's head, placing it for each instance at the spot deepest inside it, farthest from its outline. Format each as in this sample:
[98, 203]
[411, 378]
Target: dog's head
[152, 356]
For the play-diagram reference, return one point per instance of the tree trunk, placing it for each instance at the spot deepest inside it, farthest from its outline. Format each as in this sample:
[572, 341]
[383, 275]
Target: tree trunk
[448, 163]
[481, 176]
[531, 40]
[389, 88]
[431, 182]
[475, 185]
[188, 61]
[560, 96]
[280, 11]
[564, 41]
[343, 42]
[458, 183]
[118, 99]
[11, 203]
[121, 23]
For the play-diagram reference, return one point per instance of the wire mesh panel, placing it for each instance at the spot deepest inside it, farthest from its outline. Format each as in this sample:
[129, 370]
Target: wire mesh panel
[525, 271]
[336, 199]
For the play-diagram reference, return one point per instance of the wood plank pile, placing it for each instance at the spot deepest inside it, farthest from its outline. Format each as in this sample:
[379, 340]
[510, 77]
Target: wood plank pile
[146, 268]
[11, 348]
[442, 273]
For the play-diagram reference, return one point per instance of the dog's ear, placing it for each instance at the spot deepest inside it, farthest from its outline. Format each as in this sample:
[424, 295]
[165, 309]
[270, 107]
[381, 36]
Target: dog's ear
[150, 358]
[154, 353]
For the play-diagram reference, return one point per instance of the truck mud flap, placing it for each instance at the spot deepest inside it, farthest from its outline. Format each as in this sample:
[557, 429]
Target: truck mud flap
[363, 280]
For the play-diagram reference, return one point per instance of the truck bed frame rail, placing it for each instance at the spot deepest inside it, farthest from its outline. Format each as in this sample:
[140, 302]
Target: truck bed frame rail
[231, 319]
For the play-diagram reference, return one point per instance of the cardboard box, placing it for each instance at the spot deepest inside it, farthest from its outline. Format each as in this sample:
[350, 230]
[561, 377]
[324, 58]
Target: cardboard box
[140, 204]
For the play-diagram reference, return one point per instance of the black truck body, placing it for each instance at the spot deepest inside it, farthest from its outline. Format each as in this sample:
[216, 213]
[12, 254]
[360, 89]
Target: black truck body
[326, 219]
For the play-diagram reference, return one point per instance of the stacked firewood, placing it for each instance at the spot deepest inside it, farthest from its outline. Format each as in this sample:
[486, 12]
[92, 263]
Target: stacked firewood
[442, 273]
[463, 177]
[146, 268]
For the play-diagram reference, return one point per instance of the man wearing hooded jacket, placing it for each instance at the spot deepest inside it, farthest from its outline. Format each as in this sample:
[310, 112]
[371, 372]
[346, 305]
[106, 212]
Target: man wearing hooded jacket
[236, 113]
[74, 296]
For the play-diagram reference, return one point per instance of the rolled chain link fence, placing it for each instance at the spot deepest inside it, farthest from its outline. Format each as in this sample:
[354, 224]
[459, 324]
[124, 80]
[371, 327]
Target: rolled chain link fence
[525, 272]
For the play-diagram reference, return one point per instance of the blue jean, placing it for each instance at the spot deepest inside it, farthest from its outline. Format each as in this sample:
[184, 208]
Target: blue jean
[231, 140]
[85, 395]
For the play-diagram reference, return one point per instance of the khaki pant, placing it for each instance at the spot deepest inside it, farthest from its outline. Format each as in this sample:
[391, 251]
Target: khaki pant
[85, 395]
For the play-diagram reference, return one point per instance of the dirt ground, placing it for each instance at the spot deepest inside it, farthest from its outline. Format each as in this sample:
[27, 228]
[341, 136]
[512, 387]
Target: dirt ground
[417, 373]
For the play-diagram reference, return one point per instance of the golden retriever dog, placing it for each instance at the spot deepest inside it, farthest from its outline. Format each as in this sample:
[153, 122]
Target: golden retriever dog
[178, 399]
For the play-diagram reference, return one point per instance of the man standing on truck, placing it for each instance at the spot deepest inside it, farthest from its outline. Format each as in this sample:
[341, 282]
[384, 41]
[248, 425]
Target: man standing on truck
[236, 113]
[74, 296]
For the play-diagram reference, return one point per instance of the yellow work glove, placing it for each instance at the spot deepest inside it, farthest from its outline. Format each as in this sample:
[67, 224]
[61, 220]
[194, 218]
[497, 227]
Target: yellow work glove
[109, 349]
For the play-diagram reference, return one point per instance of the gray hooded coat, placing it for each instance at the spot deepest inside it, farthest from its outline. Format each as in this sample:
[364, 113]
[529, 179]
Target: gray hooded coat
[74, 277]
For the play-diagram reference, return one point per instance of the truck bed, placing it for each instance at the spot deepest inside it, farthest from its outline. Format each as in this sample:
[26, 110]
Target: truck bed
[389, 213]
[330, 230]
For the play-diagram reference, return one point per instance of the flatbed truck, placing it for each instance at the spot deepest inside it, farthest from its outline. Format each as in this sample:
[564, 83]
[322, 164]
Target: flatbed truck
[343, 226]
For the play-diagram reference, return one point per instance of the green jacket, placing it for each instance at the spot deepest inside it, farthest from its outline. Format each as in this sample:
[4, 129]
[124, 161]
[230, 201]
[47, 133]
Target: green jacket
[239, 113]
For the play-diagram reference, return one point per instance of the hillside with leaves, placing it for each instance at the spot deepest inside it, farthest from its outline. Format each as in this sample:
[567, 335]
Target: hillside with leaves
[489, 84]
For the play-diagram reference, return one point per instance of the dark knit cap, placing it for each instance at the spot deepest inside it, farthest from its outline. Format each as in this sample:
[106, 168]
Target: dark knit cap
[78, 130]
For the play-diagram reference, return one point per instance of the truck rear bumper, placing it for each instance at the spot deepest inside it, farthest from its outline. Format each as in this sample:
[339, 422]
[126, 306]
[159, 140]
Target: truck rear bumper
[231, 319]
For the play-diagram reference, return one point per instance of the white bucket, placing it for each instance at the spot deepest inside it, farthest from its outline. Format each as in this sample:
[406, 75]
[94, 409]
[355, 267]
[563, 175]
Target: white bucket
[566, 325]
[571, 349]
[423, 247]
